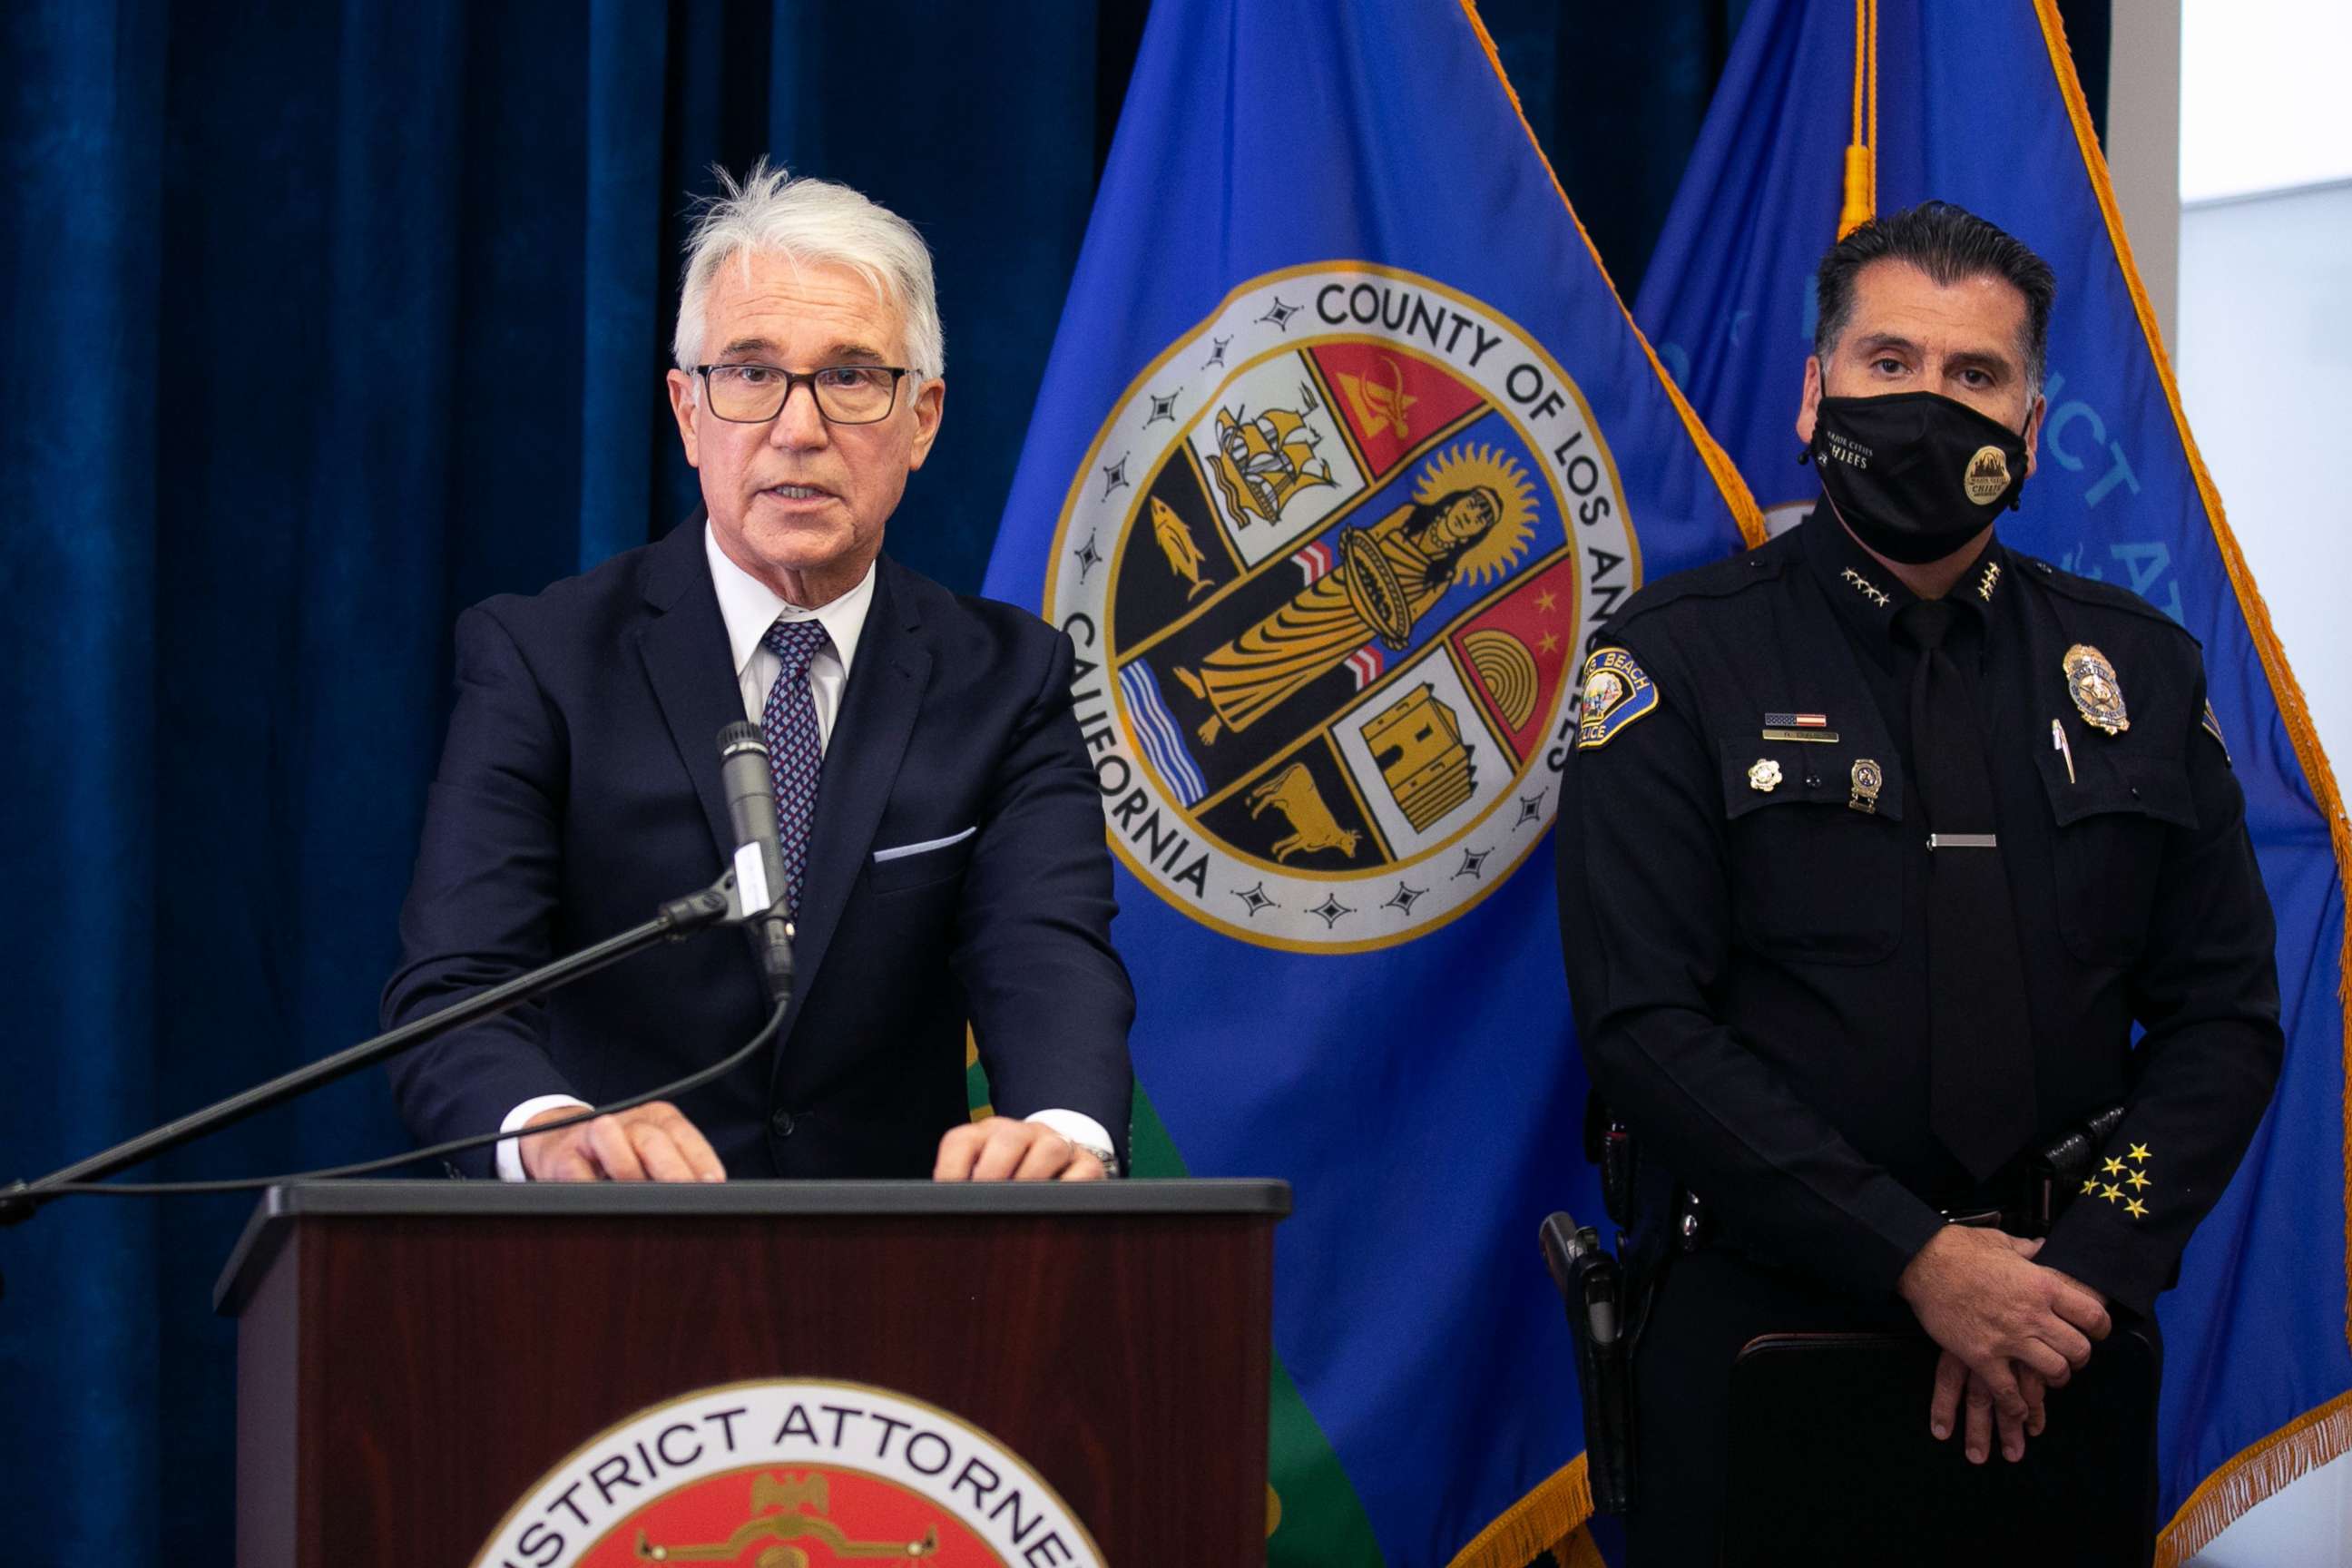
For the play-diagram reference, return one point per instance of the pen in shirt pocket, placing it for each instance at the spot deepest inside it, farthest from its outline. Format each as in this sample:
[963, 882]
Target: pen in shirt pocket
[2058, 744]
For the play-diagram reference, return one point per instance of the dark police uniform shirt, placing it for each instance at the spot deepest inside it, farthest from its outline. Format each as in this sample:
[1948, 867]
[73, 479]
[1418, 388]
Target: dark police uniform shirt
[1748, 965]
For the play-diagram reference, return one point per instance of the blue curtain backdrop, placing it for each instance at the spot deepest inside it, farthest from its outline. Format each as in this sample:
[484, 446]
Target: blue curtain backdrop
[324, 321]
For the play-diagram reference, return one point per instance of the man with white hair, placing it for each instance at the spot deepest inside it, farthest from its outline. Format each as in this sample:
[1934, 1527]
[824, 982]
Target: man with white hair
[940, 825]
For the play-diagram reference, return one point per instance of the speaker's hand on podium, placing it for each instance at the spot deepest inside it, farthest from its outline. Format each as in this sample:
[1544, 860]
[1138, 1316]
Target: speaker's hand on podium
[653, 1142]
[1002, 1149]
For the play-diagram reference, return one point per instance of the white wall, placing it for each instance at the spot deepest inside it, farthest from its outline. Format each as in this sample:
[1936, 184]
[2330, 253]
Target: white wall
[2262, 102]
[2265, 361]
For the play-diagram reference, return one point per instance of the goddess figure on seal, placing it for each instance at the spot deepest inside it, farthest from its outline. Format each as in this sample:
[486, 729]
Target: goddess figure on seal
[1470, 517]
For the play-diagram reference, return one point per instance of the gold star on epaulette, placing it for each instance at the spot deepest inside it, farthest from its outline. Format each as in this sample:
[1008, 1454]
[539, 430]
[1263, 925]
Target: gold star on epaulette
[2111, 1194]
[2138, 1152]
[2114, 1167]
[2137, 1180]
[2090, 1186]
[2137, 1209]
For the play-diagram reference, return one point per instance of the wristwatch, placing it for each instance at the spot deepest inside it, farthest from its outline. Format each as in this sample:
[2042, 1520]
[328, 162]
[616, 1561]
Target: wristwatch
[1110, 1160]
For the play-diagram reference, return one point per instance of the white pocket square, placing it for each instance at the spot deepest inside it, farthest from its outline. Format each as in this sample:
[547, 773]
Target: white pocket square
[925, 848]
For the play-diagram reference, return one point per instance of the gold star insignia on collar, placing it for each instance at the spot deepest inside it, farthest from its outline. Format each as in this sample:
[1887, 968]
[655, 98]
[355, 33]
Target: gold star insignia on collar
[2137, 1180]
[1865, 587]
[2090, 1186]
[1991, 580]
[2138, 1152]
[2137, 1209]
[2111, 1194]
[2113, 1167]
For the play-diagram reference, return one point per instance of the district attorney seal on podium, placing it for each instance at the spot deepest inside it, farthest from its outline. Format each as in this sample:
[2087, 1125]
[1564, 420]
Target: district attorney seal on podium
[791, 1473]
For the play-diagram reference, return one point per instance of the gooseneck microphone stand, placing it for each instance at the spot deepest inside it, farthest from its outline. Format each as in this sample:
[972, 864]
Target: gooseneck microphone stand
[718, 904]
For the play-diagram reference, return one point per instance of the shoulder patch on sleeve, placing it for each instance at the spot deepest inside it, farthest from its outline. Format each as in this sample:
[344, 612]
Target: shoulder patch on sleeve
[1616, 691]
[2212, 726]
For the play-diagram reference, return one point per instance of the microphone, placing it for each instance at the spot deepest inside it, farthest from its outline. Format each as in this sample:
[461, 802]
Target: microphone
[750, 792]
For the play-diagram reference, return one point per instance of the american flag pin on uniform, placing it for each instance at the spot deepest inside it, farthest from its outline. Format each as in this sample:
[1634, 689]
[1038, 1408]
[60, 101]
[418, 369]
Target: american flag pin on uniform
[1799, 727]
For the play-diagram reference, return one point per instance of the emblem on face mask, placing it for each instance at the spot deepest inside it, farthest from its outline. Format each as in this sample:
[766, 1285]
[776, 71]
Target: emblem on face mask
[1868, 779]
[1987, 476]
[2099, 695]
[1937, 471]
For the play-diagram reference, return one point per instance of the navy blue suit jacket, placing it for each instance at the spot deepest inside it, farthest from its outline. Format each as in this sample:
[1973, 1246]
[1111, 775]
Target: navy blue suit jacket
[579, 790]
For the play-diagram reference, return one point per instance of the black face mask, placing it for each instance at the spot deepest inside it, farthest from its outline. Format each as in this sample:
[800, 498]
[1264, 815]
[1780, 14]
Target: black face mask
[1915, 474]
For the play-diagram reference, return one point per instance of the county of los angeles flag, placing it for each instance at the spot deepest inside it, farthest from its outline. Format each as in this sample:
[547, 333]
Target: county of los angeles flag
[1345, 448]
[1977, 104]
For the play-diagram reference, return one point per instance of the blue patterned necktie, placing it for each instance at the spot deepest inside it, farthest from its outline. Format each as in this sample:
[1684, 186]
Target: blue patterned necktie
[788, 723]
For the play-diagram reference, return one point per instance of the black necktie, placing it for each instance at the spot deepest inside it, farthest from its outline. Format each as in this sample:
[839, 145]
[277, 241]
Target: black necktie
[1981, 1060]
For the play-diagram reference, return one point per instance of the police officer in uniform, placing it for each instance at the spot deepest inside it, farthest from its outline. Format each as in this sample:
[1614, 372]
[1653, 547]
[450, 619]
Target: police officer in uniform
[1875, 843]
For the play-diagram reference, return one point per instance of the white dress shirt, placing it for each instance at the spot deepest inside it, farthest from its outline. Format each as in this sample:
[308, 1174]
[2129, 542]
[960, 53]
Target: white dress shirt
[749, 607]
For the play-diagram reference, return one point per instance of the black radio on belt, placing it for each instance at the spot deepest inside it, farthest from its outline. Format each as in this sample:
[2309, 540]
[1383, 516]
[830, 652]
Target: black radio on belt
[2054, 1175]
[1609, 1145]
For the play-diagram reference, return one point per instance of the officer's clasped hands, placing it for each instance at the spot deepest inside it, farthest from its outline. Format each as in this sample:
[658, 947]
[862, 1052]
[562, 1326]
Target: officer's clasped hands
[2009, 1329]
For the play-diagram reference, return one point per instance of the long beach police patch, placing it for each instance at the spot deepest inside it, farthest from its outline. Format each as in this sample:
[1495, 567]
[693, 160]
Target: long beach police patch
[791, 1470]
[1327, 565]
[1617, 691]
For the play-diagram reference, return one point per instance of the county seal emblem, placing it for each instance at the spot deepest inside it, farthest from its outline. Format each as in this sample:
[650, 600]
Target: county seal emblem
[1330, 566]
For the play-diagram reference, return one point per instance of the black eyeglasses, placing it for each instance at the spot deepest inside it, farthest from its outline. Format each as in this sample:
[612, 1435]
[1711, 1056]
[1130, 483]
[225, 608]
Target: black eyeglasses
[844, 393]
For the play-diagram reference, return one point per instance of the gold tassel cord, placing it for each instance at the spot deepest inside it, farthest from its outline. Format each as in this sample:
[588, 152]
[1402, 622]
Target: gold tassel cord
[1861, 58]
[1861, 199]
[1873, 108]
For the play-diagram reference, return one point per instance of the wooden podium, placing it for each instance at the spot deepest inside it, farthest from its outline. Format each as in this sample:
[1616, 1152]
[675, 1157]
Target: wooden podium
[414, 1357]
